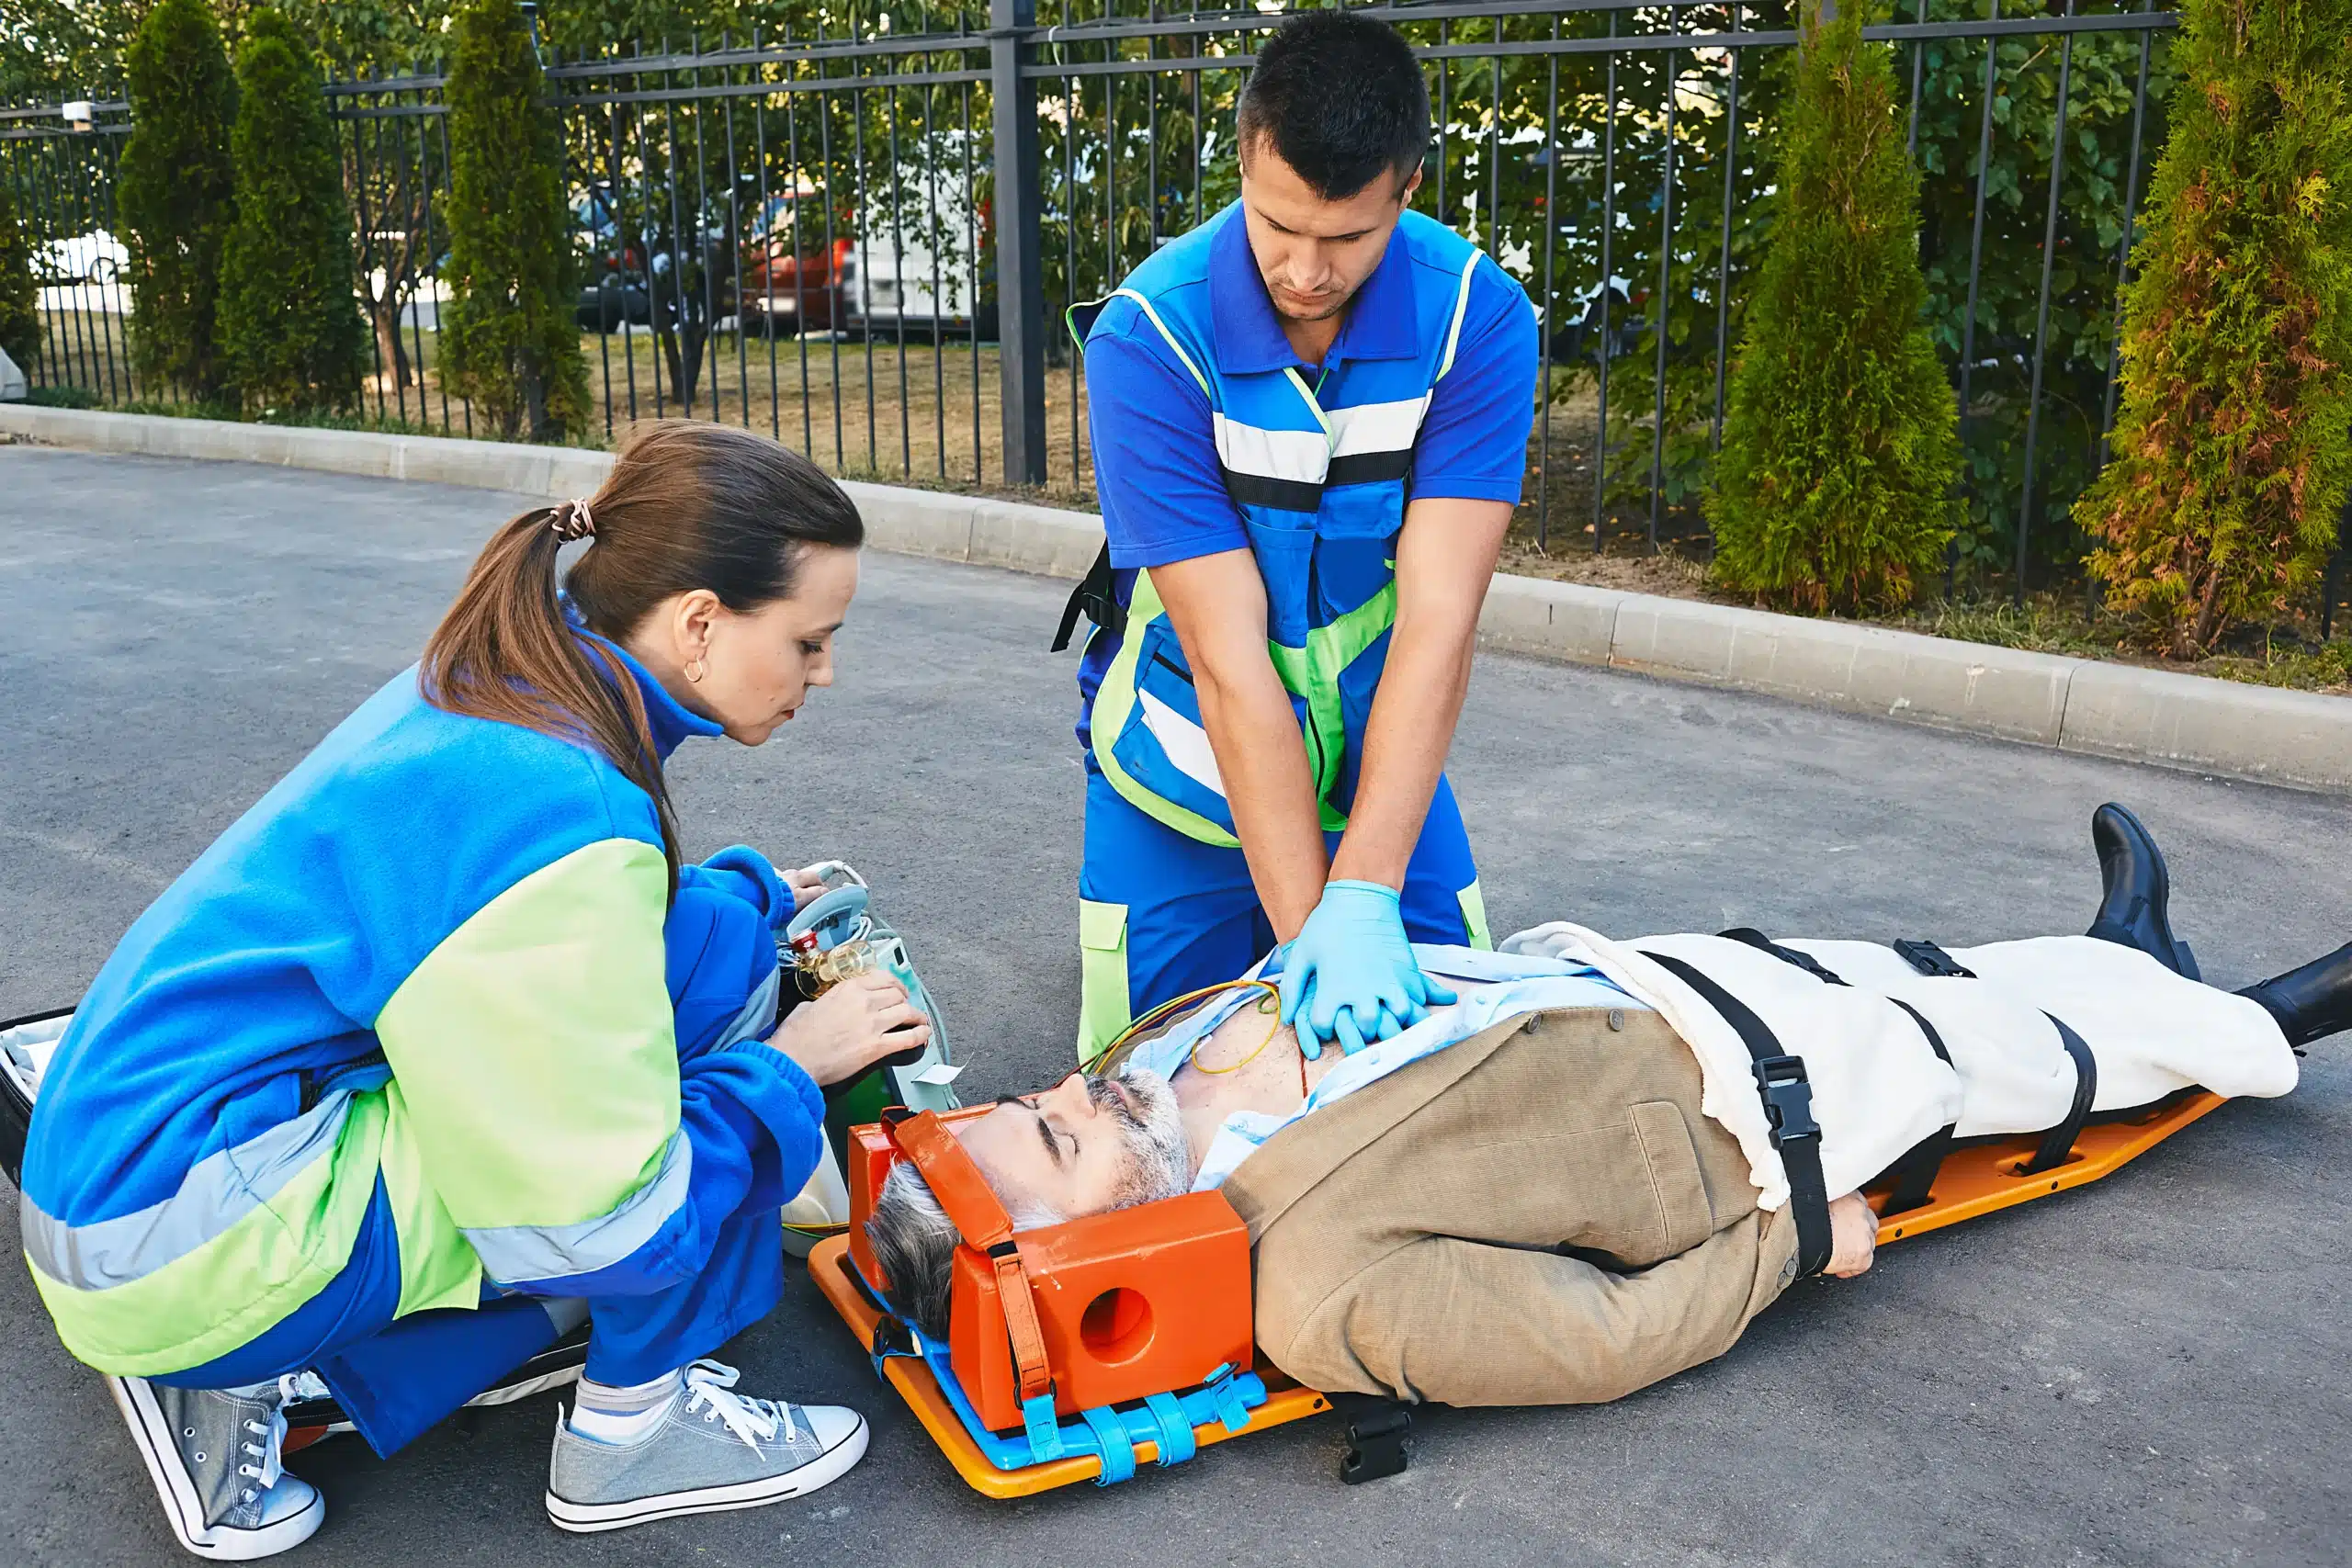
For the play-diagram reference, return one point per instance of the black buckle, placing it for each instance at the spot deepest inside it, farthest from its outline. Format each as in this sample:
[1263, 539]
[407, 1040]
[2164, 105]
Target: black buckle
[1932, 961]
[1097, 598]
[1787, 1092]
[1376, 1432]
[891, 1338]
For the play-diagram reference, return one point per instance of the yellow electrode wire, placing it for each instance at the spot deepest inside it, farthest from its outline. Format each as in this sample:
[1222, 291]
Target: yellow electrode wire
[1269, 1004]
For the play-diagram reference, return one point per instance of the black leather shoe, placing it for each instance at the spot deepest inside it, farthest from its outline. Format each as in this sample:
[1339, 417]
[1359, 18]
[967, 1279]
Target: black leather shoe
[2134, 910]
[2312, 1002]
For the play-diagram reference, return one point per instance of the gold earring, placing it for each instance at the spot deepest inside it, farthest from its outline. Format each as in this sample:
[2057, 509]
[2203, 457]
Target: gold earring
[694, 671]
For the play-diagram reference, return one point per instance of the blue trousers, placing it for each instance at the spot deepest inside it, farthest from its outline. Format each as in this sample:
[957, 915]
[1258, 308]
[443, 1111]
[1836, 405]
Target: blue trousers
[1161, 914]
[396, 1377]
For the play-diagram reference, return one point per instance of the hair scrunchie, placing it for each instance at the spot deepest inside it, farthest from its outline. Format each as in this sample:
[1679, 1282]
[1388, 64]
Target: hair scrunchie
[574, 521]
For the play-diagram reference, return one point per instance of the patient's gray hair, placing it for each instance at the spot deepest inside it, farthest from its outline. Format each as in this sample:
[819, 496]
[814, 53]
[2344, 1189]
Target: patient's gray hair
[914, 1241]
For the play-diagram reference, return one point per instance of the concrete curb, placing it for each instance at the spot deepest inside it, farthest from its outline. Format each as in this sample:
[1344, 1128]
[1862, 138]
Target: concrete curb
[2112, 710]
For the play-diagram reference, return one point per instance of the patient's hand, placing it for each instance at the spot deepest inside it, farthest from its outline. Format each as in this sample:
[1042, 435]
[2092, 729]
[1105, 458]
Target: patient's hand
[1853, 1236]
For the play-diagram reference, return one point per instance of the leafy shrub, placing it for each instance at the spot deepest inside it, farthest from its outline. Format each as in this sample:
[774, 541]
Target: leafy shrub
[1834, 490]
[507, 334]
[289, 327]
[19, 294]
[175, 192]
[2234, 444]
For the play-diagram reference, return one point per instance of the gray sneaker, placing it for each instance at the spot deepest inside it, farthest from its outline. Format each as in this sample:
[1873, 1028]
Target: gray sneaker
[214, 1459]
[713, 1449]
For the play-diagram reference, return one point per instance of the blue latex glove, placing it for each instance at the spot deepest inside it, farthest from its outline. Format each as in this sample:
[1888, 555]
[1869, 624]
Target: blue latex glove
[1350, 974]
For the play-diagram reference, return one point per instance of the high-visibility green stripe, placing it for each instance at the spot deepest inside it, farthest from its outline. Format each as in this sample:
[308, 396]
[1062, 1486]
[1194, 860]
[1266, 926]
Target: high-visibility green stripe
[1473, 917]
[239, 1283]
[1105, 1005]
[1114, 700]
[1311, 673]
[438, 1269]
[535, 1047]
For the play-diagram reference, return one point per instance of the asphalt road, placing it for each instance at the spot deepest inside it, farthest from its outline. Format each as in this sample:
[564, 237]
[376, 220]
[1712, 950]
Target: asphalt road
[2156, 1370]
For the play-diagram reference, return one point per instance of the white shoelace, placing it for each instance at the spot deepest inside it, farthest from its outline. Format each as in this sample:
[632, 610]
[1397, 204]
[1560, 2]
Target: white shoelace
[753, 1420]
[270, 1450]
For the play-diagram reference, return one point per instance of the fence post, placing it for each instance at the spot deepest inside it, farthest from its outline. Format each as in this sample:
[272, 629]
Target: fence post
[2335, 567]
[1019, 277]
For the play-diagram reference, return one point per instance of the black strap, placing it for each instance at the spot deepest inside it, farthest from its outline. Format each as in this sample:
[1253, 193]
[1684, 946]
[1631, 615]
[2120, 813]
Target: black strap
[1097, 598]
[1914, 1175]
[1805, 961]
[1787, 1093]
[2058, 1142]
[1933, 961]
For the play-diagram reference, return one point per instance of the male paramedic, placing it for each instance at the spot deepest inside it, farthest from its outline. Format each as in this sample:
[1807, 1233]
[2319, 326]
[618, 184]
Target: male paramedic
[1310, 419]
[1568, 1184]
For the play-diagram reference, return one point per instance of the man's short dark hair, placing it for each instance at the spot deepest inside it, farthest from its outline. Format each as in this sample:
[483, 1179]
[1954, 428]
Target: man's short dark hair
[1342, 100]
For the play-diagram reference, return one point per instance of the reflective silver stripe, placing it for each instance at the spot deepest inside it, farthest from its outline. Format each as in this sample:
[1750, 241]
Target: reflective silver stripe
[1164, 332]
[1296, 456]
[1461, 307]
[522, 1254]
[1185, 743]
[1377, 427]
[756, 1015]
[219, 1189]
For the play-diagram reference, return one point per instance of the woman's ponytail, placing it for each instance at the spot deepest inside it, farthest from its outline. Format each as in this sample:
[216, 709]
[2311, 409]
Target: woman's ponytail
[687, 506]
[505, 653]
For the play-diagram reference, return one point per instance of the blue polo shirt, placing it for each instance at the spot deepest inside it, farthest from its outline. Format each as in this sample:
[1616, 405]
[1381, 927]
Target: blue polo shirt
[1154, 451]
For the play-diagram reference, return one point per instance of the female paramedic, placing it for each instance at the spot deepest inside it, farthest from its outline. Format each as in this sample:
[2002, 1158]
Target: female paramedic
[440, 1050]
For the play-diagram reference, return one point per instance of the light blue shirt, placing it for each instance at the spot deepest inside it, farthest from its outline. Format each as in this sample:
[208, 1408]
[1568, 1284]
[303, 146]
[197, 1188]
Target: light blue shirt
[1492, 986]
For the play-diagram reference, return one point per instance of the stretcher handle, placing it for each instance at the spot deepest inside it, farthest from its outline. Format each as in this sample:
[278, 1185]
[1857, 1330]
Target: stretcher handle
[972, 1207]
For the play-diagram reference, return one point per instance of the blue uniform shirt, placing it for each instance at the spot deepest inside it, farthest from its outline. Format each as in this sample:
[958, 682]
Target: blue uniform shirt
[1155, 449]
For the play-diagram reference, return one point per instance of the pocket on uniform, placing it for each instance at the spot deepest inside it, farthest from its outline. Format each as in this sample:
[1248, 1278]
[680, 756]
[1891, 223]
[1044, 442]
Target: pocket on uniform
[1373, 510]
[1164, 745]
[1104, 1005]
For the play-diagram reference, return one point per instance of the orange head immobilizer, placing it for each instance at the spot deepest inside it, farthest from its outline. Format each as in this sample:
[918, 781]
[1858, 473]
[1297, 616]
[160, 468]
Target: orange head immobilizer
[1098, 1310]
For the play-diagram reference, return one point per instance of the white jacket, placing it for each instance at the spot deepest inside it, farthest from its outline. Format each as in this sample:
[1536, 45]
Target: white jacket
[1879, 1087]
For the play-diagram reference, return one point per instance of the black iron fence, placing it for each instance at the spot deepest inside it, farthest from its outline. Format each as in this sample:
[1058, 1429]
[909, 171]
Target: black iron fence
[863, 240]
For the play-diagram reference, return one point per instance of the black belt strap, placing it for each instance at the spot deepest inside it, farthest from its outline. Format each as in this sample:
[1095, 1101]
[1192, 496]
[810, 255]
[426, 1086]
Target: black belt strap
[1787, 1093]
[1096, 597]
[2058, 1142]
[1914, 1175]
[1805, 961]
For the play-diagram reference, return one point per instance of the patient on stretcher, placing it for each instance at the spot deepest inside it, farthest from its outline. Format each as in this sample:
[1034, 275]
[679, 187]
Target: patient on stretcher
[1563, 1187]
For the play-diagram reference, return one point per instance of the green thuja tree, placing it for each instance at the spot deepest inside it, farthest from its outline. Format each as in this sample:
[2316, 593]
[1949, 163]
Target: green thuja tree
[175, 192]
[1835, 487]
[289, 327]
[2230, 454]
[19, 293]
[509, 343]
[290, 313]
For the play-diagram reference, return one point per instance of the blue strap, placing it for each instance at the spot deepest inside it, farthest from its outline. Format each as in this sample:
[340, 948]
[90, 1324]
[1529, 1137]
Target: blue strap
[1045, 1432]
[1176, 1441]
[1231, 1409]
[1118, 1454]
